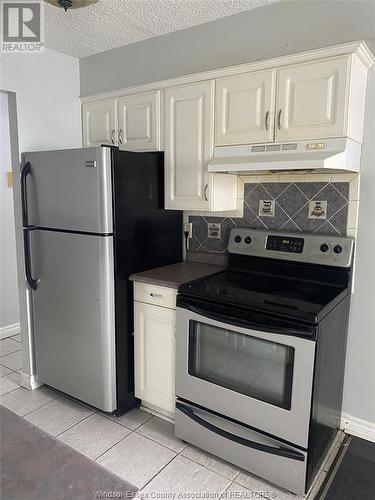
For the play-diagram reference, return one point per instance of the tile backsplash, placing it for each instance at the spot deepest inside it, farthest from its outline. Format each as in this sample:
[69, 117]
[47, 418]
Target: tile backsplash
[312, 207]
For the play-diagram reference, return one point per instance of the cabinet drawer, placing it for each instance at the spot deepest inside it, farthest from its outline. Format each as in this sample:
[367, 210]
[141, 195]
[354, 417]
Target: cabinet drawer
[155, 294]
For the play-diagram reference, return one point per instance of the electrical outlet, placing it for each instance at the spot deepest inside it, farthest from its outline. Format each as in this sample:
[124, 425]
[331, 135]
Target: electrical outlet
[188, 228]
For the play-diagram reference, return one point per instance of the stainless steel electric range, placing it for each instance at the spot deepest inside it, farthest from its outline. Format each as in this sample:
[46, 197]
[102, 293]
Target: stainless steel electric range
[260, 354]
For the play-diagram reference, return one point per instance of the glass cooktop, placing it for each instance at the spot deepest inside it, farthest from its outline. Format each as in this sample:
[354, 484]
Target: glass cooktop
[290, 297]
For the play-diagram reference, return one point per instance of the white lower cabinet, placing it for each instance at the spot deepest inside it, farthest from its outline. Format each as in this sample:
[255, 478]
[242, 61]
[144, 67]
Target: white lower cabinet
[154, 355]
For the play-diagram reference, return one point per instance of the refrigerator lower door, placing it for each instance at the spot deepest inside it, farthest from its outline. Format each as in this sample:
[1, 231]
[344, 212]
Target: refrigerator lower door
[73, 307]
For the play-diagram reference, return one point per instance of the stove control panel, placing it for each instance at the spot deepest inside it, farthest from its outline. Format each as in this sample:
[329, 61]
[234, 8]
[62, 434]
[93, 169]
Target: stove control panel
[285, 243]
[310, 248]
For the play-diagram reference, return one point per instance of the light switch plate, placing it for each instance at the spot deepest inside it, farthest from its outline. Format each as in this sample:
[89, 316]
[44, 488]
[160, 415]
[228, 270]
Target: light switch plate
[9, 179]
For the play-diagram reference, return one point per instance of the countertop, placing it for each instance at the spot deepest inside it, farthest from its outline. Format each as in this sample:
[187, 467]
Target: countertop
[176, 274]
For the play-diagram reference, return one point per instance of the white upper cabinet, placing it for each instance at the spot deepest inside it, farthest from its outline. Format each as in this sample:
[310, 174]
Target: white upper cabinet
[99, 123]
[188, 143]
[312, 100]
[139, 122]
[245, 108]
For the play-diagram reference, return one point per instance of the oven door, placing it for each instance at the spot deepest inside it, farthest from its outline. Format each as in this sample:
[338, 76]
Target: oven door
[251, 368]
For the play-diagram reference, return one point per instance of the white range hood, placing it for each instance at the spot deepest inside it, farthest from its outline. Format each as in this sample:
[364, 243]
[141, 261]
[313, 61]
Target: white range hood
[322, 154]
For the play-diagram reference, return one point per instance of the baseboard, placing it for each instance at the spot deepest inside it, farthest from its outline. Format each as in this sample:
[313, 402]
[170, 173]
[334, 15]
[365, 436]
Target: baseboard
[358, 427]
[10, 330]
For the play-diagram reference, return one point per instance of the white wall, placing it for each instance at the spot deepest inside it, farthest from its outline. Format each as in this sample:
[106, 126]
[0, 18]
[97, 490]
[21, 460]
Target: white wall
[9, 315]
[279, 29]
[359, 389]
[46, 88]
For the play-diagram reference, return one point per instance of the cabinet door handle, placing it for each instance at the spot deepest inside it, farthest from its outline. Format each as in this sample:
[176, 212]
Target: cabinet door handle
[113, 137]
[155, 295]
[205, 192]
[266, 120]
[120, 136]
[279, 119]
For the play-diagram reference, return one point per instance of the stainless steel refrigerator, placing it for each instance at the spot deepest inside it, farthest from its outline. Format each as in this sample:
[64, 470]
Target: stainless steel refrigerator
[91, 218]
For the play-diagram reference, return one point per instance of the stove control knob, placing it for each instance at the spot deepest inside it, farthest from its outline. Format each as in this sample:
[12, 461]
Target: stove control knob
[237, 238]
[337, 249]
[324, 247]
[248, 240]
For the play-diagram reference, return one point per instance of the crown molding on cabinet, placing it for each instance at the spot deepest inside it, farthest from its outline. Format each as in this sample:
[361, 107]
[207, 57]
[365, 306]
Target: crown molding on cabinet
[358, 48]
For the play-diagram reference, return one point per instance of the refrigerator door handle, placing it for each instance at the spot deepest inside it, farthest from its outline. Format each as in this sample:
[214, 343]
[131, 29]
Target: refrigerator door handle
[25, 222]
[26, 245]
[25, 172]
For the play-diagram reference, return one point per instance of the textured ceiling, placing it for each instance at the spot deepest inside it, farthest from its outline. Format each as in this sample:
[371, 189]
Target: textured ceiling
[114, 23]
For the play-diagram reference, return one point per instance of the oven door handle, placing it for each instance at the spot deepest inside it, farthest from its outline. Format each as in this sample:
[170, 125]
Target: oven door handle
[235, 321]
[282, 452]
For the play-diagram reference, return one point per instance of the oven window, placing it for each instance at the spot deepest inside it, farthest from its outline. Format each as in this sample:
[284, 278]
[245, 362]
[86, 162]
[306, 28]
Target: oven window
[254, 367]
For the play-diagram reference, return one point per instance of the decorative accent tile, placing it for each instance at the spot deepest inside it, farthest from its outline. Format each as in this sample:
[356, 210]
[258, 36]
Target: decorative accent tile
[214, 230]
[266, 208]
[291, 214]
[318, 209]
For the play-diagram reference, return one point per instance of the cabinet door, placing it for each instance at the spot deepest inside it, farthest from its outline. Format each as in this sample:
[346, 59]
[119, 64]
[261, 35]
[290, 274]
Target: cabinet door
[139, 122]
[154, 351]
[312, 100]
[188, 122]
[99, 123]
[245, 108]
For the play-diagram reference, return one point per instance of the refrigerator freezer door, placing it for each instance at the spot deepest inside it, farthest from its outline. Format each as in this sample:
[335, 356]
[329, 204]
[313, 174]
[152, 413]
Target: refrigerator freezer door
[74, 315]
[70, 189]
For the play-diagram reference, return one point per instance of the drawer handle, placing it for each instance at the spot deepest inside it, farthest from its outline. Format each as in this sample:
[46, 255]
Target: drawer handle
[155, 295]
[282, 452]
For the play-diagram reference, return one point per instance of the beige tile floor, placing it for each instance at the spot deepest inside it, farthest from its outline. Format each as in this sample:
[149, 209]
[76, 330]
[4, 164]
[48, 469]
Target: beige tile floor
[140, 448]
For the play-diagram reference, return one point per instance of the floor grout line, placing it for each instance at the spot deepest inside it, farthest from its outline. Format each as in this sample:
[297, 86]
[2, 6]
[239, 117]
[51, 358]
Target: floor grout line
[159, 472]
[157, 442]
[111, 418]
[71, 426]
[42, 406]
[208, 468]
[110, 448]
